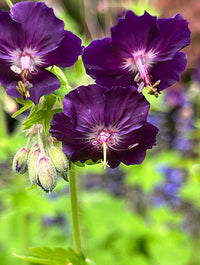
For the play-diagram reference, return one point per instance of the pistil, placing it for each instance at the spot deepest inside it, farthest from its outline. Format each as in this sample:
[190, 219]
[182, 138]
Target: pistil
[25, 73]
[104, 161]
[106, 140]
[143, 74]
[25, 62]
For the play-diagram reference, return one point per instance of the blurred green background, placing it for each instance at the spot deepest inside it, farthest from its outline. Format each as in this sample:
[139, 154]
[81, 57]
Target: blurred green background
[142, 215]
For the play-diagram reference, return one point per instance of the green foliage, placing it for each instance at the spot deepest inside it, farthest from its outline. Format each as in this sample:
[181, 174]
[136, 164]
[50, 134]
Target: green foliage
[58, 256]
[143, 5]
[115, 235]
[64, 88]
[191, 191]
[27, 104]
[42, 113]
[10, 144]
[88, 162]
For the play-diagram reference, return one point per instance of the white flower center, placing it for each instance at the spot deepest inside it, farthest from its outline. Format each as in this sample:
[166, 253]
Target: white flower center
[107, 139]
[23, 64]
[140, 64]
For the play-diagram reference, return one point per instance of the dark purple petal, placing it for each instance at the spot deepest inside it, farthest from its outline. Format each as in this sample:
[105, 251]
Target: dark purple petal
[100, 58]
[94, 115]
[44, 83]
[174, 35]
[87, 153]
[43, 31]
[62, 127]
[85, 105]
[74, 142]
[122, 81]
[134, 33]
[145, 137]
[67, 53]
[136, 41]
[11, 36]
[128, 114]
[6, 75]
[169, 72]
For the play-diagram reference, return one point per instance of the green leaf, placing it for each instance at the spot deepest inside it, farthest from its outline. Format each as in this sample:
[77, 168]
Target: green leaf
[64, 88]
[31, 187]
[27, 104]
[35, 260]
[46, 121]
[54, 111]
[34, 117]
[50, 101]
[79, 164]
[58, 256]
[88, 162]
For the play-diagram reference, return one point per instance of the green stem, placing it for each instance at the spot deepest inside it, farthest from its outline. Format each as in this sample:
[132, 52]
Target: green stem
[9, 3]
[193, 255]
[74, 208]
[26, 235]
[41, 142]
[3, 124]
[30, 137]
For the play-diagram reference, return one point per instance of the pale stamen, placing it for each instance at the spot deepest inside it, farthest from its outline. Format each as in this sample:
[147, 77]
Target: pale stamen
[125, 149]
[23, 88]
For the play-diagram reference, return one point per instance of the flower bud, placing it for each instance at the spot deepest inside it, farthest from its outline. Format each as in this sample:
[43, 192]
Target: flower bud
[59, 159]
[33, 158]
[33, 148]
[19, 165]
[46, 174]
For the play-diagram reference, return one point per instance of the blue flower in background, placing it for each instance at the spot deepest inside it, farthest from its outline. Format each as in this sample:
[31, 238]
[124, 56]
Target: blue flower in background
[167, 192]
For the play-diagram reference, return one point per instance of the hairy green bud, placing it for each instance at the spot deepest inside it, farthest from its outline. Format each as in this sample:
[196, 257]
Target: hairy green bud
[59, 159]
[19, 165]
[33, 158]
[46, 174]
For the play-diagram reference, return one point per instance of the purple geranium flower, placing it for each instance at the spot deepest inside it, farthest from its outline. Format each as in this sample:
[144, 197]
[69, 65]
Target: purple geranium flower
[108, 124]
[31, 39]
[142, 51]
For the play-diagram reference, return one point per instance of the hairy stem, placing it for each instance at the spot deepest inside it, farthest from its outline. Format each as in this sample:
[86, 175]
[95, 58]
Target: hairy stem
[74, 208]
[41, 145]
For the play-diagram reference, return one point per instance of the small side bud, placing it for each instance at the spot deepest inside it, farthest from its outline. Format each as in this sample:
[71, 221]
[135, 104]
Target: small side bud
[59, 159]
[33, 158]
[46, 174]
[19, 165]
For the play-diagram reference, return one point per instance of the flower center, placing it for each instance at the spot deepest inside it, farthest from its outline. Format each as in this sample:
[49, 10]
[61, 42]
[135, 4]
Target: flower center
[143, 74]
[25, 62]
[104, 136]
[142, 68]
[106, 140]
[25, 71]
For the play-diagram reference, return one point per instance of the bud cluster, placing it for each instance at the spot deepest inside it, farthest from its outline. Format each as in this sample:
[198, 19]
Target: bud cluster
[44, 161]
